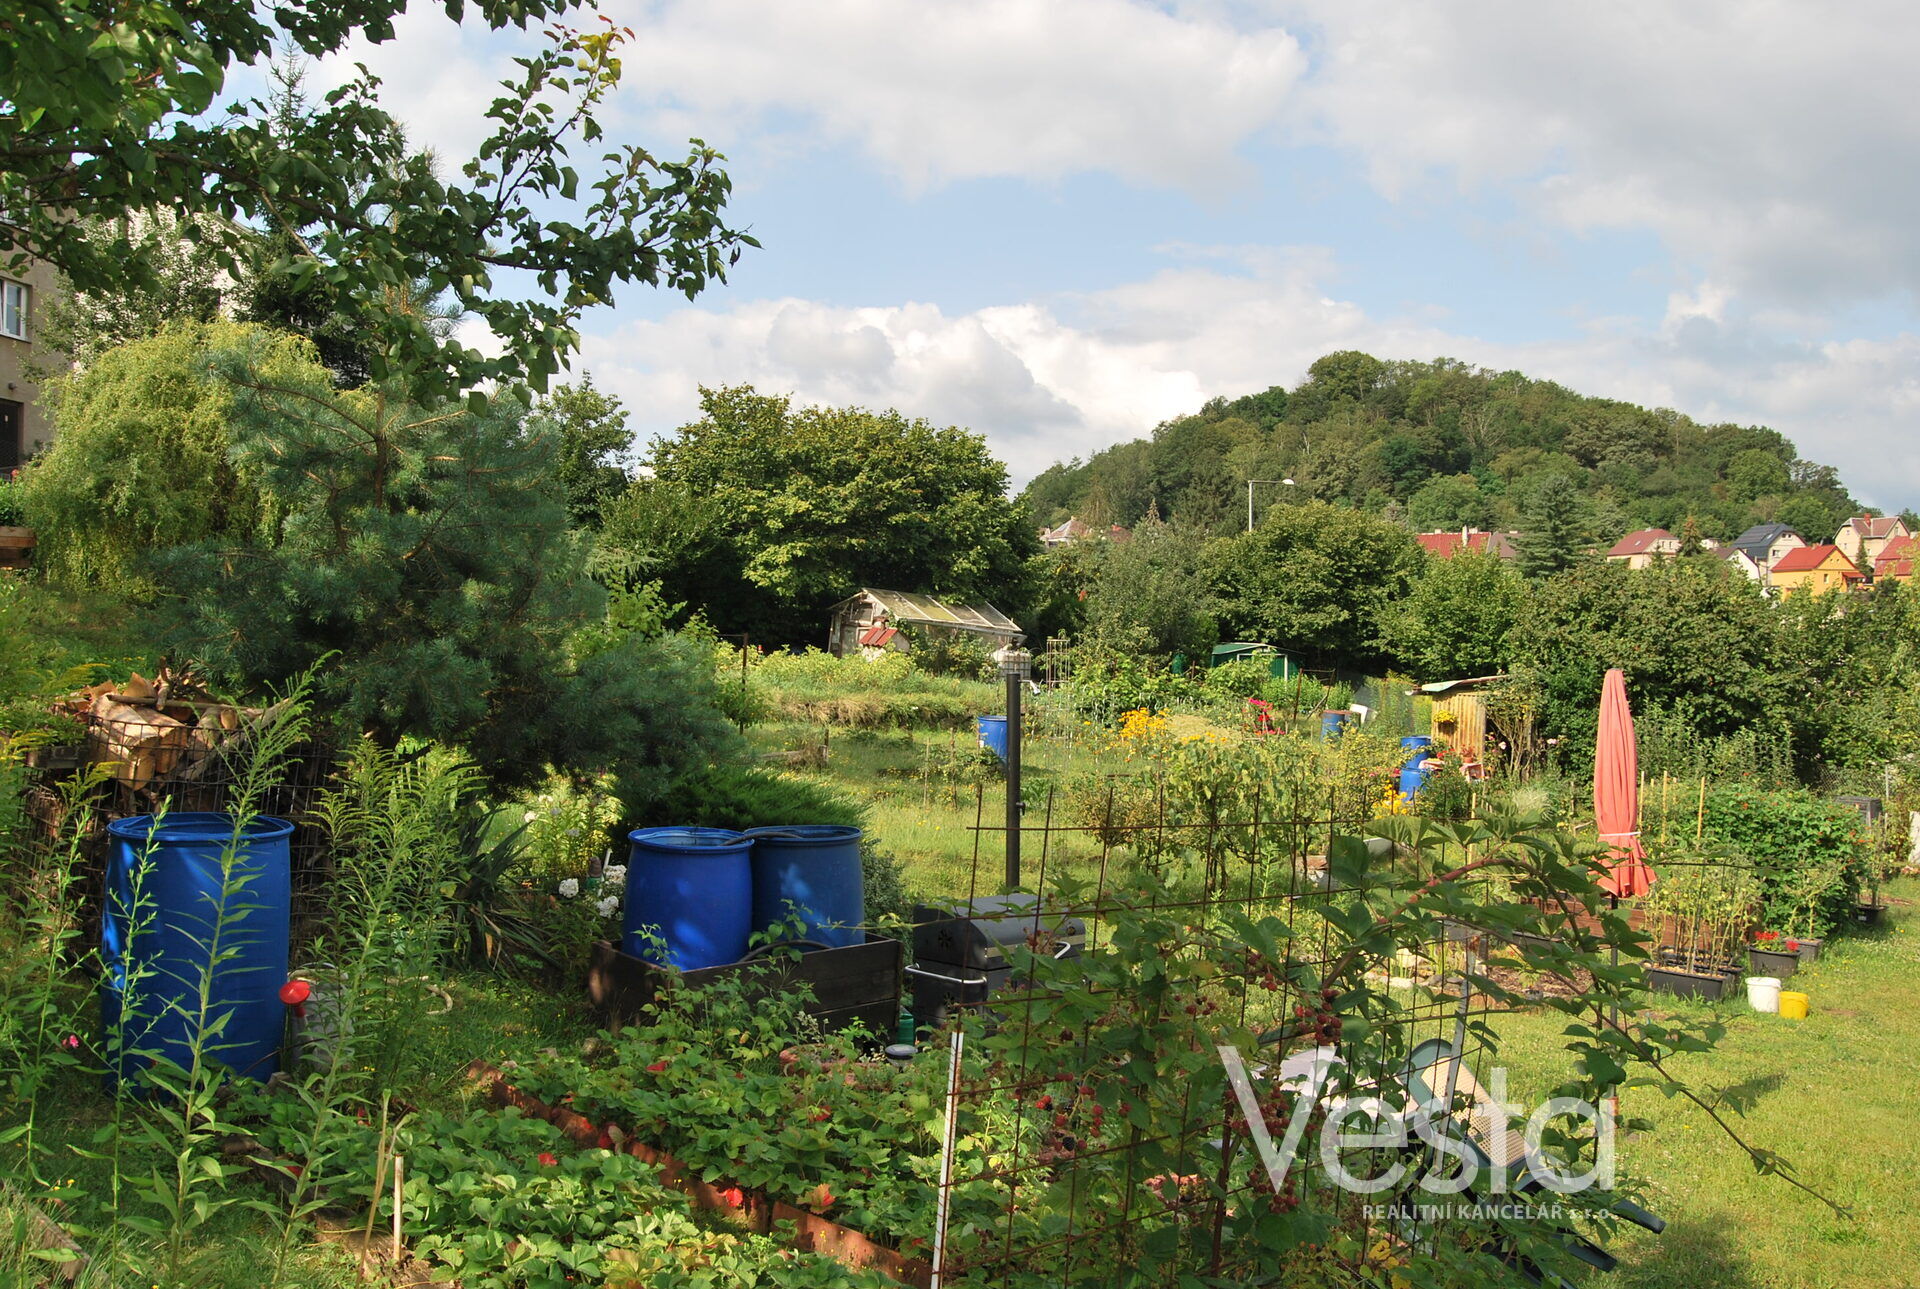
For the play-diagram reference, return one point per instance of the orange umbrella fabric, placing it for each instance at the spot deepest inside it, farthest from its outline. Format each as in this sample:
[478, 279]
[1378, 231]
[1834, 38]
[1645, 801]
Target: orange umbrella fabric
[1616, 791]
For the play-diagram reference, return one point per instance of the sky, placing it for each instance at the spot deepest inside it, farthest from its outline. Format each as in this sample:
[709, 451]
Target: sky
[1061, 222]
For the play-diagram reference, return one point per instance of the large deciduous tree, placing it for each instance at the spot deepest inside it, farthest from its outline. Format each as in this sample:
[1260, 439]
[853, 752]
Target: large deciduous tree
[1695, 639]
[803, 506]
[107, 110]
[1458, 617]
[1316, 580]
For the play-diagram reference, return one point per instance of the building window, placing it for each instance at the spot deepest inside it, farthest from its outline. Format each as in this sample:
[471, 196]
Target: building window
[13, 309]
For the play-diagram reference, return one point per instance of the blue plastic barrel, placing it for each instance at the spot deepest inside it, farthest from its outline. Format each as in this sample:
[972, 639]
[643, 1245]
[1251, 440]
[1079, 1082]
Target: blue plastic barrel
[182, 893]
[993, 734]
[815, 868]
[693, 888]
[1412, 776]
[1331, 723]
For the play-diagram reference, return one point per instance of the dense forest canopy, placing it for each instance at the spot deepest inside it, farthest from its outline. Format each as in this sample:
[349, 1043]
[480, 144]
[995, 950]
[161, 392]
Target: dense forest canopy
[1442, 445]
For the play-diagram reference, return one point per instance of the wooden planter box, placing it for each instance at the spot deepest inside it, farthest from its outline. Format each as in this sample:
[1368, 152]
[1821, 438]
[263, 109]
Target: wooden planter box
[857, 984]
[16, 546]
[753, 1210]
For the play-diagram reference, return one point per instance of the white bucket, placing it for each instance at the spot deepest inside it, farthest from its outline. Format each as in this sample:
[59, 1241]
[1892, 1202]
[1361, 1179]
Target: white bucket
[1763, 993]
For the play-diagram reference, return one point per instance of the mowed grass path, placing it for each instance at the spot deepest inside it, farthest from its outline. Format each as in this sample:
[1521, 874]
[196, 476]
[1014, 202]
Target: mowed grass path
[1837, 1094]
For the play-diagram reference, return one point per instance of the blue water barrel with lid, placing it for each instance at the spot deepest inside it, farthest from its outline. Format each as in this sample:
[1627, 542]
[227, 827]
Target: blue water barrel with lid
[812, 870]
[693, 889]
[1333, 722]
[993, 734]
[190, 904]
[1412, 777]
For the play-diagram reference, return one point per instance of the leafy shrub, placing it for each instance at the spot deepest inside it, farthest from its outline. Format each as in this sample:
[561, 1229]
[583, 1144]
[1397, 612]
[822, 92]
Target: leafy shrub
[1805, 851]
[1106, 686]
[883, 882]
[11, 515]
[956, 654]
[740, 796]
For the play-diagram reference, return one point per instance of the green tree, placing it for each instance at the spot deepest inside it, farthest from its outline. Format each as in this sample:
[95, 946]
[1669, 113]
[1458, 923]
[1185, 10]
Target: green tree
[1696, 639]
[810, 504]
[1553, 536]
[1457, 619]
[107, 112]
[1316, 580]
[425, 555]
[590, 428]
[1449, 501]
[142, 457]
[1756, 473]
[1151, 596]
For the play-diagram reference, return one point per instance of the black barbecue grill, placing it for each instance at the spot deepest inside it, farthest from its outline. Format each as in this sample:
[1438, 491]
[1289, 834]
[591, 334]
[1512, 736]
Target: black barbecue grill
[960, 949]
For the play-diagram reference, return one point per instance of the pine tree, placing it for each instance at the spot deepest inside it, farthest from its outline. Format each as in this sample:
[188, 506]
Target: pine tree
[1553, 536]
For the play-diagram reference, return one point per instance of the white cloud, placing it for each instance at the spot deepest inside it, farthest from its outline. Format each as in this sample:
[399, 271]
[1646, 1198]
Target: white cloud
[952, 89]
[1045, 382]
[1770, 146]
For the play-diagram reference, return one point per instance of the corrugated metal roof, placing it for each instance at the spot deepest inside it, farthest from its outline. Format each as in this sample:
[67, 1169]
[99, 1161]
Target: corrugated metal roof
[931, 610]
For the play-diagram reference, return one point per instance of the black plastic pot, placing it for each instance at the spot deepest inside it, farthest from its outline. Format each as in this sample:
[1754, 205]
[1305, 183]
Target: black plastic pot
[1772, 962]
[1688, 984]
[1869, 914]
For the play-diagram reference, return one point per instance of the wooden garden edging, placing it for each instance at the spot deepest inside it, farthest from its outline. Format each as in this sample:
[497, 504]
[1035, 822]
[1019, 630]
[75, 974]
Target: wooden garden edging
[750, 1209]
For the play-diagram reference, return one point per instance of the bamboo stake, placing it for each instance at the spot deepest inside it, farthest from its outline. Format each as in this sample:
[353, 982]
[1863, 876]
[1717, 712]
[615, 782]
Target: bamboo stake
[381, 1144]
[1666, 783]
[399, 1193]
[1700, 820]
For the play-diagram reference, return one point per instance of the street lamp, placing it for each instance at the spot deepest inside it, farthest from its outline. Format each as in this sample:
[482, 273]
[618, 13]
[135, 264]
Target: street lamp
[1250, 484]
[1014, 663]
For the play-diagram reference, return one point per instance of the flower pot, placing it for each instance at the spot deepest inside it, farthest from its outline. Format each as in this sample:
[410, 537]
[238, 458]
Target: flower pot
[1868, 914]
[1809, 952]
[1763, 994]
[1778, 963]
[1690, 984]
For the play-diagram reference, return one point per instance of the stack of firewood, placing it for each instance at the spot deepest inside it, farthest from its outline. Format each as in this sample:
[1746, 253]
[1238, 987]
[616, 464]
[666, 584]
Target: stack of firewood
[165, 728]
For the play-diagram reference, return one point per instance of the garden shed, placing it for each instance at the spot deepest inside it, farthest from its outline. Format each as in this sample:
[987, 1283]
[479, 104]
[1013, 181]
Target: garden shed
[1280, 664]
[1460, 713]
[872, 620]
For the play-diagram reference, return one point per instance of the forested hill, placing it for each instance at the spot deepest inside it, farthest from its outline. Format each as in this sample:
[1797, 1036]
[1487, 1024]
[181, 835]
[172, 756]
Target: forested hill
[1446, 445]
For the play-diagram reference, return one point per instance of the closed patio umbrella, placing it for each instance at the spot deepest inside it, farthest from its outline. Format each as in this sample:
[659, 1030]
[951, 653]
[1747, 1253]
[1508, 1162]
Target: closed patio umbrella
[1616, 792]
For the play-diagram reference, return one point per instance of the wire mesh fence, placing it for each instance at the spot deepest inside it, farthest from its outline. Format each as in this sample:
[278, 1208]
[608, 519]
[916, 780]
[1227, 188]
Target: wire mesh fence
[149, 761]
[1124, 1142]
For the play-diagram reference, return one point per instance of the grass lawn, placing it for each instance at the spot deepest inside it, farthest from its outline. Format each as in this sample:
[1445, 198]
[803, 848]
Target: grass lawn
[1835, 1094]
[927, 791]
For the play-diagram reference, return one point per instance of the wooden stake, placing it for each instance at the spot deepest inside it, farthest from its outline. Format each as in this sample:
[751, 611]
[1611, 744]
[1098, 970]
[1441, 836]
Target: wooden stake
[399, 1194]
[1700, 821]
[1666, 783]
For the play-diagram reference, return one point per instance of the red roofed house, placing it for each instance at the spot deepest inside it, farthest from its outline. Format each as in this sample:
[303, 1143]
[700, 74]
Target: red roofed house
[1448, 544]
[1637, 550]
[1863, 538]
[1815, 568]
[1897, 560]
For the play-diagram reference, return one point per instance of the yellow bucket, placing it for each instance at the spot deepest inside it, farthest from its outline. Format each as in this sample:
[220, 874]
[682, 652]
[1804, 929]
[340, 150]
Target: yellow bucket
[1793, 1006]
